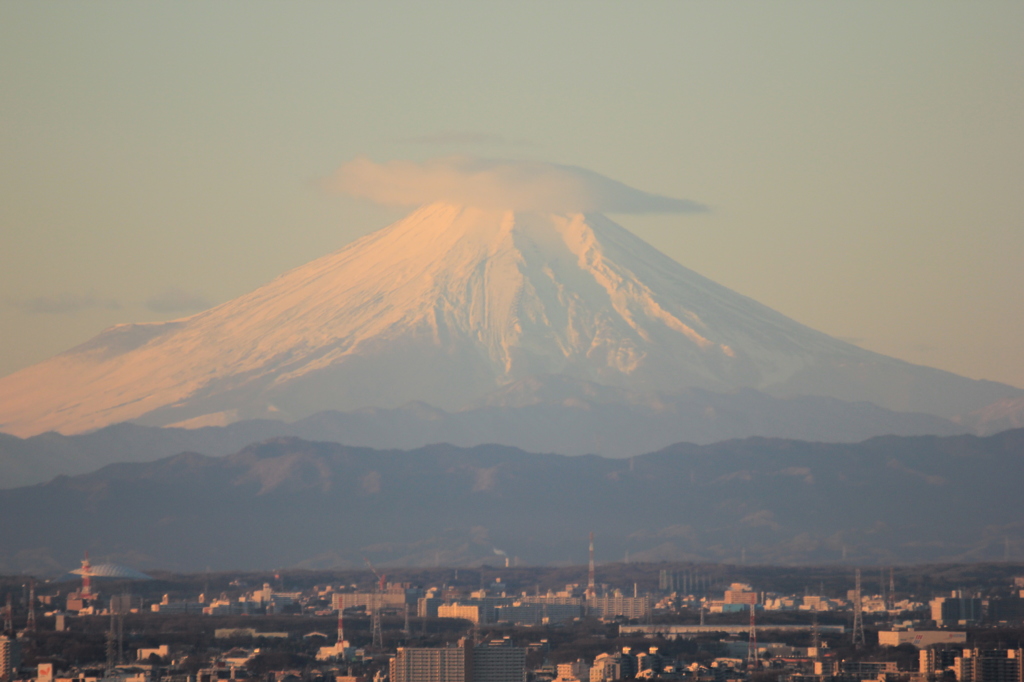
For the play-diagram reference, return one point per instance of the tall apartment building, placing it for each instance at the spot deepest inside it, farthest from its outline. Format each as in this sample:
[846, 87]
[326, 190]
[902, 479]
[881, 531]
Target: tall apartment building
[612, 606]
[933, 660]
[392, 600]
[431, 665]
[537, 614]
[10, 657]
[496, 661]
[477, 609]
[1010, 610]
[997, 665]
[740, 593]
[499, 661]
[426, 607]
[578, 670]
[610, 667]
[955, 609]
[557, 600]
[474, 613]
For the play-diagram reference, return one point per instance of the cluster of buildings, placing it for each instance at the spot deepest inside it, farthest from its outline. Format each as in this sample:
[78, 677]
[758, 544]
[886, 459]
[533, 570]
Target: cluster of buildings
[937, 629]
[496, 606]
[738, 597]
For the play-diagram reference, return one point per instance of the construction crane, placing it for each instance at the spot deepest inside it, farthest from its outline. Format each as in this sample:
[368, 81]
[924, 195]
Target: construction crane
[380, 578]
[377, 636]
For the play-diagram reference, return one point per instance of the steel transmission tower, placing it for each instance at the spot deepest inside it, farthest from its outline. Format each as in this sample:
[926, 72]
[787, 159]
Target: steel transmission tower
[30, 625]
[375, 607]
[752, 659]
[858, 618]
[378, 636]
[111, 644]
[817, 636]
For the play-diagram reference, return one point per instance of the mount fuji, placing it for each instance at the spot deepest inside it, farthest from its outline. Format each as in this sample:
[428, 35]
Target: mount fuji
[464, 307]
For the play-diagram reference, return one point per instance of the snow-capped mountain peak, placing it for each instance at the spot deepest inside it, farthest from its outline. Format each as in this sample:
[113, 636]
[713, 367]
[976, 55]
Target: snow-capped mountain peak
[446, 306]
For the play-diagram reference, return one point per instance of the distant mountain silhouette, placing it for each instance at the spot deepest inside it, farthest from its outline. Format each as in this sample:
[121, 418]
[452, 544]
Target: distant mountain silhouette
[290, 502]
[539, 414]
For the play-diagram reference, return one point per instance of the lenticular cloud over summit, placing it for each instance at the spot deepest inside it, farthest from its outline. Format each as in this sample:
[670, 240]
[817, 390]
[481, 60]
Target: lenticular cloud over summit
[499, 184]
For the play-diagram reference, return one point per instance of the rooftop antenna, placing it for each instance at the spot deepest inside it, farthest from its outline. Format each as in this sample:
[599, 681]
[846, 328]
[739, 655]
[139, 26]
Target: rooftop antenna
[891, 604]
[591, 588]
[858, 619]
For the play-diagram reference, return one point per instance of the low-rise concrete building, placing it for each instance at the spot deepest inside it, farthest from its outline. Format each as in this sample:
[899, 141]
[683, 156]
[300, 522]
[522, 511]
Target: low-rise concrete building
[921, 638]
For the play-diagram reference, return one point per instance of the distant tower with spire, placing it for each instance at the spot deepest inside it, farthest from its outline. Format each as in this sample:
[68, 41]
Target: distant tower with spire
[591, 586]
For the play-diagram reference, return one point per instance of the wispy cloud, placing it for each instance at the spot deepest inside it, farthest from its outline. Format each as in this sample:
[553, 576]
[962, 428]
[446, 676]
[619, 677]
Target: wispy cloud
[65, 303]
[174, 300]
[455, 138]
[502, 184]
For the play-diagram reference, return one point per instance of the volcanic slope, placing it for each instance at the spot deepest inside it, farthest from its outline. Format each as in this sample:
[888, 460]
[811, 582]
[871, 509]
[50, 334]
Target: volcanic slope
[448, 306]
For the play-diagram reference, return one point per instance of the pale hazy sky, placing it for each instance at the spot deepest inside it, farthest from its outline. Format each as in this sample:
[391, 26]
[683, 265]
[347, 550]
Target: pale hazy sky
[863, 162]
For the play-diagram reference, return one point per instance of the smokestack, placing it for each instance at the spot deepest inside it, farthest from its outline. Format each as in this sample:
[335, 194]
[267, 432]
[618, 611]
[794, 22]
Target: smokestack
[86, 578]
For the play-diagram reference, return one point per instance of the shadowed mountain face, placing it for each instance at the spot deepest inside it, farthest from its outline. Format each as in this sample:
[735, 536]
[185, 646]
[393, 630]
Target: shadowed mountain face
[542, 414]
[458, 307]
[289, 502]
